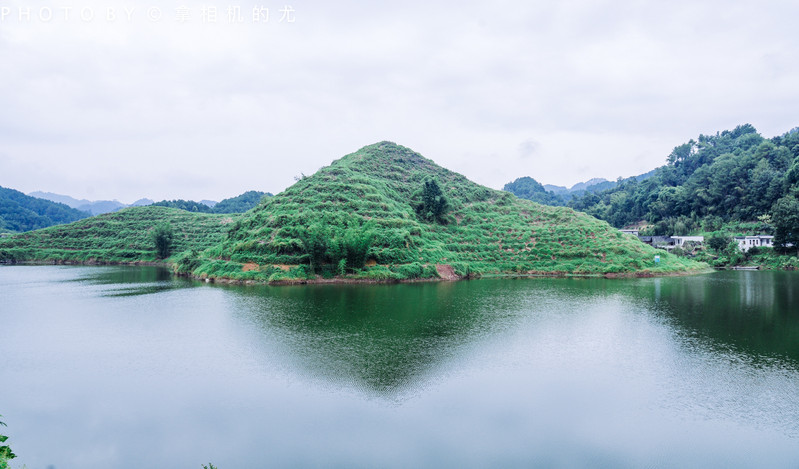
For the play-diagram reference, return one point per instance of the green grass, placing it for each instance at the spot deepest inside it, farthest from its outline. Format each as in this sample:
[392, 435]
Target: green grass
[763, 257]
[374, 189]
[360, 208]
[118, 237]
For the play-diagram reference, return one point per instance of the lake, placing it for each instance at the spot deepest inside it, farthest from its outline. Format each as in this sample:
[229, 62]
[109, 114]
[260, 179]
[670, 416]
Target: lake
[123, 367]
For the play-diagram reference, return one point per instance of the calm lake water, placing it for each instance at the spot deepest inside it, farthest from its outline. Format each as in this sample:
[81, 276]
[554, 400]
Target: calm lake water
[112, 367]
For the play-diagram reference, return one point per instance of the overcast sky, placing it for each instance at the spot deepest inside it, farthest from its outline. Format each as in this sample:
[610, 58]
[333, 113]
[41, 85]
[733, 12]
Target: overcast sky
[176, 103]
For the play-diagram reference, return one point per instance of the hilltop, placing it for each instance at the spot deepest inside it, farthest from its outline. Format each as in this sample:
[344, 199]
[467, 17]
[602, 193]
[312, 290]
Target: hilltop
[118, 237]
[368, 216]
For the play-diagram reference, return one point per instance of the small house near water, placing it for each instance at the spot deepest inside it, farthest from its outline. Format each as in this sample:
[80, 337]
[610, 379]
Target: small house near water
[679, 241]
[745, 243]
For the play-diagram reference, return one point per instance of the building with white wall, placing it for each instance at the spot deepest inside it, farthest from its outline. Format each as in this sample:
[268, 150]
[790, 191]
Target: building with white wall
[679, 241]
[746, 243]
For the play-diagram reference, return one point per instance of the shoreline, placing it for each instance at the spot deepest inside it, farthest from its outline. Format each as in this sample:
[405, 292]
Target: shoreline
[355, 281]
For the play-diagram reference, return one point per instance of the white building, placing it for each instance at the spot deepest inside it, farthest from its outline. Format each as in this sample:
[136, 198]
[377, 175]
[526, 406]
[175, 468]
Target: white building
[746, 243]
[679, 241]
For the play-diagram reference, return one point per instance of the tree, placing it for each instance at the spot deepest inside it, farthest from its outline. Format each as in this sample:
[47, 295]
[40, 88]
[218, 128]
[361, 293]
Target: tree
[785, 218]
[733, 254]
[346, 248]
[434, 205]
[315, 243]
[718, 242]
[356, 243]
[5, 450]
[187, 205]
[162, 235]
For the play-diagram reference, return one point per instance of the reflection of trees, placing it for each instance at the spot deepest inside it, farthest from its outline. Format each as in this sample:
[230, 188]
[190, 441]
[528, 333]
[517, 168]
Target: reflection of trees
[388, 338]
[755, 312]
[132, 281]
[382, 338]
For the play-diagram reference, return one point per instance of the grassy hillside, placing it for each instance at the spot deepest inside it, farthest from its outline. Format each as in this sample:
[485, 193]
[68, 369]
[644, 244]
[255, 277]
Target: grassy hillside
[20, 212]
[122, 236]
[363, 207]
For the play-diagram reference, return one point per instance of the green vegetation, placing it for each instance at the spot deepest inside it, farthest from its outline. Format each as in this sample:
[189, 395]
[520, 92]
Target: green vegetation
[718, 241]
[238, 204]
[762, 257]
[733, 183]
[530, 189]
[785, 217]
[187, 205]
[382, 213]
[721, 250]
[5, 451]
[733, 176]
[367, 202]
[343, 247]
[93, 207]
[19, 212]
[123, 236]
[434, 205]
[162, 235]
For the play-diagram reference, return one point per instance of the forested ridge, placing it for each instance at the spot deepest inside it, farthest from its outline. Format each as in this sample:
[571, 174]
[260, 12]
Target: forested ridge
[239, 204]
[20, 212]
[733, 176]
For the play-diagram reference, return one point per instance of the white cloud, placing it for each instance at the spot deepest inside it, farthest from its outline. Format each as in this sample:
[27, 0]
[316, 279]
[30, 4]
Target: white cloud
[166, 110]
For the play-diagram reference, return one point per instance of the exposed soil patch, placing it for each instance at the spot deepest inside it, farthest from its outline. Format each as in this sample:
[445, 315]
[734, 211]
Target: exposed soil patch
[446, 272]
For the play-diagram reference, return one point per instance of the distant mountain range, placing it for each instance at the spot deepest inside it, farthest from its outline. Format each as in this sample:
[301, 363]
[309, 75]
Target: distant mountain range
[238, 204]
[20, 212]
[580, 186]
[95, 207]
[548, 194]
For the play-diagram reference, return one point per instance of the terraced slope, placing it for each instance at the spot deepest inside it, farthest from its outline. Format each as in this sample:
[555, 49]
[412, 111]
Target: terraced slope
[122, 236]
[366, 203]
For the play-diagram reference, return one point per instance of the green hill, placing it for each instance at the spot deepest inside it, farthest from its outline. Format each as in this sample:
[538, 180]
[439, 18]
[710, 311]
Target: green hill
[530, 189]
[20, 212]
[239, 204]
[186, 205]
[122, 236]
[732, 177]
[370, 207]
